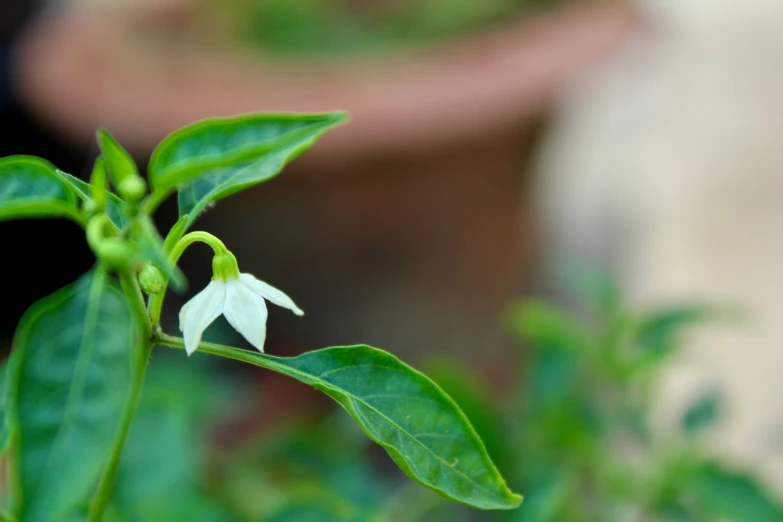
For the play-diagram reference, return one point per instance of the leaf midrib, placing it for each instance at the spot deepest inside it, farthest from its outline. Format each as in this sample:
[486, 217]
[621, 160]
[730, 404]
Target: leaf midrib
[77, 383]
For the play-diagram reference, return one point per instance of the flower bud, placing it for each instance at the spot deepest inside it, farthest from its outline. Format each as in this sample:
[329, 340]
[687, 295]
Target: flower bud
[132, 188]
[90, 207]
[151, 279]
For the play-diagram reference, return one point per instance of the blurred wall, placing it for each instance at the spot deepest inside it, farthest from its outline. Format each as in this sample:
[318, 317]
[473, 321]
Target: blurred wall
[667, 167]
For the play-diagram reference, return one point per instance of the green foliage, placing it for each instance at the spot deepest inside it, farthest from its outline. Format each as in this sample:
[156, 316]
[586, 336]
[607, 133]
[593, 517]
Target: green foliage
[725, 494]
[702, 414]
[657, 333]
[74, 396]
[30, 188]
[119, 163]
[421, 428]
[587, 449]
[467, 390]
[70, 379]
[113, 202]
[577, 432]
[305, 465]
[333, 27]
[213, 159]
[161, 474]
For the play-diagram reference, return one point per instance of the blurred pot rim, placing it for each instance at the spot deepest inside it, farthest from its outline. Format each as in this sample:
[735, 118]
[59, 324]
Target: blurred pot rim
[76, 72]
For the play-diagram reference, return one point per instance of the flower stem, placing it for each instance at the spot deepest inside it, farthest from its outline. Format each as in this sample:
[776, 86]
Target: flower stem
[156, 300]
[130, 287]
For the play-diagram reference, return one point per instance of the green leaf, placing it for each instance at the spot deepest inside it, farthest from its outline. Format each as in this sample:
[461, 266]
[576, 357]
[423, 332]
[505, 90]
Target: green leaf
[82, 189]
[159, 478]
[30, 188]
[119, 163]
[546, 327]
[421, 427]
[734, 497]
[215, 158]
[70, 378]
[473, 398]
[658, 334]
[702, 414]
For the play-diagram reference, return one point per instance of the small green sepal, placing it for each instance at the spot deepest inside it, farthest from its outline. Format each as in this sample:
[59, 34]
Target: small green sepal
[225, 267]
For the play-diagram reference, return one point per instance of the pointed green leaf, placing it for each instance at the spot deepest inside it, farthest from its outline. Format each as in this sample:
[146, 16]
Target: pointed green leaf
[215, 158]
[99, 182]
[30, 188]
[82, 189]
[702, 414]
[70, 375]
[421, 427]
[475, 400]
[119, 163]
[658, 334]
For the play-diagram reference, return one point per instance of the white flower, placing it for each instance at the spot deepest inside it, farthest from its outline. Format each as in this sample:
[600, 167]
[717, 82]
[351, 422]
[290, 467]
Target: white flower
[240, 298]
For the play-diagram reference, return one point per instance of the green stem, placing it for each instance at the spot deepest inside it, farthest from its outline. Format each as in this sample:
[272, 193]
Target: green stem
[151, 203]
[136, 301]
[156, 300]
[77, 217]
[228, 352]
[130, 286]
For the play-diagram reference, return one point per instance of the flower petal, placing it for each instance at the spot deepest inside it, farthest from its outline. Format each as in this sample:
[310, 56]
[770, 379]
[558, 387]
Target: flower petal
[246, 311]
[200, 312]
[270, 293]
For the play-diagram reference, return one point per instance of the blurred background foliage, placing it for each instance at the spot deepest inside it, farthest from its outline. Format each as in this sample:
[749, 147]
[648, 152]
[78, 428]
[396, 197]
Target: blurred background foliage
[575, 434]
[307, 28]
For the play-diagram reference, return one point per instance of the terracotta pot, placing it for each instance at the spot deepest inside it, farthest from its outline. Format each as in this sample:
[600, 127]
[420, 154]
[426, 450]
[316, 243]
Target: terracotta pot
[400, 229]
[83, 70]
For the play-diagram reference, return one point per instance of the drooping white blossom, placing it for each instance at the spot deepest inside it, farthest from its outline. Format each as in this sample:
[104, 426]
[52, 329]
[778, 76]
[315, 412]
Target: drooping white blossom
[241, 299]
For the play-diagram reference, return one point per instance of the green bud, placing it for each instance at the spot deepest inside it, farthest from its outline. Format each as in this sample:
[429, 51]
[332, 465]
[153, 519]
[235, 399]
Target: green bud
[151, 279]
[90, 207]
[111, 250]
[121, 168]
[132, 188]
